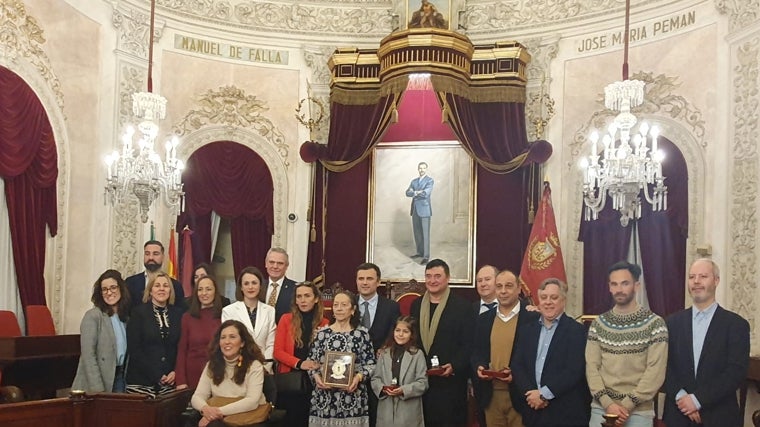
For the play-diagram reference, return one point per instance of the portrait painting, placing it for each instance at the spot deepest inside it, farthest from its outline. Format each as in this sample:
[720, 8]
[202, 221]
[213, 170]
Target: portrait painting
[428, 13]
[338, 369]
[422, 208]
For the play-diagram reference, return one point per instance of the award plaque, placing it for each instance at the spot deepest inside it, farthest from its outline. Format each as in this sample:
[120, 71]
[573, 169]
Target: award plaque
[338, 369]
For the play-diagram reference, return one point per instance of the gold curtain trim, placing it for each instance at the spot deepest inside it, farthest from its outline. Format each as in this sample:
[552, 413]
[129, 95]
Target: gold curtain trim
[355, 96]
[344, 165]
[497, 168]
[457, 87]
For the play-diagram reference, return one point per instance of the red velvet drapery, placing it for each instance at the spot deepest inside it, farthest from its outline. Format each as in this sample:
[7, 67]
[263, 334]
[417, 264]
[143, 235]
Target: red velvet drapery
[29, 166]
[662, 241]
[233, 181]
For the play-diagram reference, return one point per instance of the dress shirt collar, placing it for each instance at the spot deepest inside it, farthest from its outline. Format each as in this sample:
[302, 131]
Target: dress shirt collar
[708, 312]
[506, 317]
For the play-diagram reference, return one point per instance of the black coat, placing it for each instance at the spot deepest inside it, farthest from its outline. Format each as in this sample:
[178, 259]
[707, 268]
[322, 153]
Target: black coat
[284, 297]
[136, 285]
[722, 368]
[445, 402]
[150, 356]
[386, 314]
[564, 374]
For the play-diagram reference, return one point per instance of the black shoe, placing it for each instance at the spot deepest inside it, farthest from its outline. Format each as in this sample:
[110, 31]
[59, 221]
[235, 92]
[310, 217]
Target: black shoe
[423, 261]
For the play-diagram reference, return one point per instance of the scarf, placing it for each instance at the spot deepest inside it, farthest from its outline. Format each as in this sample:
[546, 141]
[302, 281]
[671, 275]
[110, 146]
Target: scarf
[428, 328]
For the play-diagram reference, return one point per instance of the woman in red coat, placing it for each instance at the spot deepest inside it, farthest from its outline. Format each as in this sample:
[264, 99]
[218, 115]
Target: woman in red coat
[292, 343]
[198, 327]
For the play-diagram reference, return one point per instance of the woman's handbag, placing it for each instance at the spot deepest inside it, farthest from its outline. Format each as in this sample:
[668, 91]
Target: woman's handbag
[293, 382]
[242, 419]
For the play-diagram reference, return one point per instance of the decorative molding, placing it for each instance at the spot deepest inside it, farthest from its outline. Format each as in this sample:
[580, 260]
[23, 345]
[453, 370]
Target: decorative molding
[22, 37]
[316, 58]
[539, 105]
[681, 123]
[250, 138]
[21, 51]
[741, 14]
[230, 106]
[126, 229]
[744, 171]
[133, 28]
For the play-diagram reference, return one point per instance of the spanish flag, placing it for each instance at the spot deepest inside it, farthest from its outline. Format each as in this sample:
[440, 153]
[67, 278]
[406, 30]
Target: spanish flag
[543, 256]
[171, 268]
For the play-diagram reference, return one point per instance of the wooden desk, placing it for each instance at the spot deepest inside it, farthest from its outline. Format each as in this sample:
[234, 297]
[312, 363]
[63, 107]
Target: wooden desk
[39, 365]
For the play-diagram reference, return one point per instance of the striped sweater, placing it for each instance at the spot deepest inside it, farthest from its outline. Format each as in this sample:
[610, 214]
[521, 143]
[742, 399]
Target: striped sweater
[626, 358]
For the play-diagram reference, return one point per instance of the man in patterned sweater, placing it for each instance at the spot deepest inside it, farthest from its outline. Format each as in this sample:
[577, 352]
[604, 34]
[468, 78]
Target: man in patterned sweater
[626, 354]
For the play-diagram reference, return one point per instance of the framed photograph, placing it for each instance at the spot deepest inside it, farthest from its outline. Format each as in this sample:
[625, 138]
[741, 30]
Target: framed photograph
[428, 14]
[338, 369]
[421, 207]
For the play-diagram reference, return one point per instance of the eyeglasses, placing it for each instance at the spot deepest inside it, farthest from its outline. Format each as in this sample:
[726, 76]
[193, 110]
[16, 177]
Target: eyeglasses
[110, 289]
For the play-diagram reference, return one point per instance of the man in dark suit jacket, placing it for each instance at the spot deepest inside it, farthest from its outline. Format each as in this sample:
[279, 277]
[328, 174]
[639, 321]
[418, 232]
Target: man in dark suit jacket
[377, 313]
[549, 365]
[504, 403]
[278, 289]
[708, 357]
[153, 260]
[421, 210]
[446, 323]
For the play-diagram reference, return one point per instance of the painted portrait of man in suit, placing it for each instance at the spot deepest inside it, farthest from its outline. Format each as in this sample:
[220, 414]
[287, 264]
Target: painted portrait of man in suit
[420, 190]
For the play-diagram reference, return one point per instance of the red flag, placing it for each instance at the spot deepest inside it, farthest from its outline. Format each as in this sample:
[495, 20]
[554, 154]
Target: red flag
[171, 268]
[187, 262]
[543, 256]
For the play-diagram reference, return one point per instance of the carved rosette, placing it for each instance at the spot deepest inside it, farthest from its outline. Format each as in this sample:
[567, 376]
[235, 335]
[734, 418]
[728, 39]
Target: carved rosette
[230, 106]
[743, 224]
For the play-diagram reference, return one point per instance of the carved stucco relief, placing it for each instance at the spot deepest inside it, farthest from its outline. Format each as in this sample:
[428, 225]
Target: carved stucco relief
[539, 105]
[22, 51]
[741, 14]
[316, 58]
[743, 224]
[681, 122]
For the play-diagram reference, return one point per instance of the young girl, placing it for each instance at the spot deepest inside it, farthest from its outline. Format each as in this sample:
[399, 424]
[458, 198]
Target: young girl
[399, 379]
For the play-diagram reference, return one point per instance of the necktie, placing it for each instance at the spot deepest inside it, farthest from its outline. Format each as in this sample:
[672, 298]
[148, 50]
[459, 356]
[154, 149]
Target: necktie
[273, 296]
[488, 306]
[365, 317]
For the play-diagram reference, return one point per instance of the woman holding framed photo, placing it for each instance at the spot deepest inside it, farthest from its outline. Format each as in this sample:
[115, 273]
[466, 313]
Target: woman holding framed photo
[346, 358]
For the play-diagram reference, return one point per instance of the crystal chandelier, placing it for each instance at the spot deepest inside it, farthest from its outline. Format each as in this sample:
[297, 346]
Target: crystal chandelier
[627, 165]
[138, 169]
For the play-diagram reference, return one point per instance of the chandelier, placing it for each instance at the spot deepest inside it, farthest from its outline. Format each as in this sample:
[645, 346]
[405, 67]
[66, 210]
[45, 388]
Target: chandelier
[138, 169]
[629, 161]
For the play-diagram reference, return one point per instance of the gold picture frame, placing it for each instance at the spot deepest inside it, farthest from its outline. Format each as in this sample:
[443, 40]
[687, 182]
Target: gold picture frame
[338, 369]
[391, 224]
[428, 14]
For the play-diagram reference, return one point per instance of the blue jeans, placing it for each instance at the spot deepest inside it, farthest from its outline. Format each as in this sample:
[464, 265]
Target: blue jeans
[637, 419]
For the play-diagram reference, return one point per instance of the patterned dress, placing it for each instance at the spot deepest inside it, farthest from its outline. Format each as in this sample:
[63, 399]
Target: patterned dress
[337, 407]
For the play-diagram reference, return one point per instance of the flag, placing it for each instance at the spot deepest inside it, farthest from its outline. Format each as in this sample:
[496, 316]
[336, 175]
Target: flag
[187, 262]
[171, 268]
[543, 256]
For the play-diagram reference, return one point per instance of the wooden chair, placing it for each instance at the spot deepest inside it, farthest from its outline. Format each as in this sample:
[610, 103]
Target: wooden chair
[405, 293]
[9, 324]
[39, 321]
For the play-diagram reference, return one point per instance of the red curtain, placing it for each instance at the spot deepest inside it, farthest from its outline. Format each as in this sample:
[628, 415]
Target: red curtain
[233, 181]
[662, 241]
[29, 166]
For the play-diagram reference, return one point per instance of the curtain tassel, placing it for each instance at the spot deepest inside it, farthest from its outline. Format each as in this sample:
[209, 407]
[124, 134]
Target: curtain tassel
[394, 115]
[445, 114]
[313, 233]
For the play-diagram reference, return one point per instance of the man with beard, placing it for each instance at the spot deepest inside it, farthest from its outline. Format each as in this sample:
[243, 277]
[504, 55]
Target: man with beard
[626, 354]
[153, 259]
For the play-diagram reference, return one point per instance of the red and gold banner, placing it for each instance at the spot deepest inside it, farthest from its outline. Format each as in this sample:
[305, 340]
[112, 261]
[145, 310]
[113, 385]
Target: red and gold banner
[543, 256]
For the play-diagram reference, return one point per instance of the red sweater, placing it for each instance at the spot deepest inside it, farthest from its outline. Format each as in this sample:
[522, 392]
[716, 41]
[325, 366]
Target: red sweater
[192, 350]
[285, 344]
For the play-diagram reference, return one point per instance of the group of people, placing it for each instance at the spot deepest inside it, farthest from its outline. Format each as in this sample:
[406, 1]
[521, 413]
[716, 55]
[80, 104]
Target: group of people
[369, 365]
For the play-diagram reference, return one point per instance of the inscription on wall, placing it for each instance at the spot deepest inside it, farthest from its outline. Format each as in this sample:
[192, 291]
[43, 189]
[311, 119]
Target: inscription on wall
[230, 51]
[638, 32]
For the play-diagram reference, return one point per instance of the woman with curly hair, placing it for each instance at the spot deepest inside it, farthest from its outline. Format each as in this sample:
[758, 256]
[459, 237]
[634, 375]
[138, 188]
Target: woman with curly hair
[235, 370]
[103, 337]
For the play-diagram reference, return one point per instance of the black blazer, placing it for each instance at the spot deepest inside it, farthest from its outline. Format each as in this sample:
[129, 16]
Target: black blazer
[481, 354]
[151, 357]
[136, 286]
[564, 373]
[722, 368]
[284, 297]
[385, 320]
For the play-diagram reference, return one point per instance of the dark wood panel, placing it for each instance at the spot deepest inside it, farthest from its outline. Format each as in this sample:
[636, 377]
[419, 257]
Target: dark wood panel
[39, 365]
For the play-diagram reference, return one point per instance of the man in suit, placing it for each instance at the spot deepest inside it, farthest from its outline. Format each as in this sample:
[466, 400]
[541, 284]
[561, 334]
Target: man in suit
[153, 260]
[485, 282]
[419, 190]
[708, 357]
[496, 332]
[626, 354]
[446, 322]
[377, 313]
[278, 289]
[548, 364]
